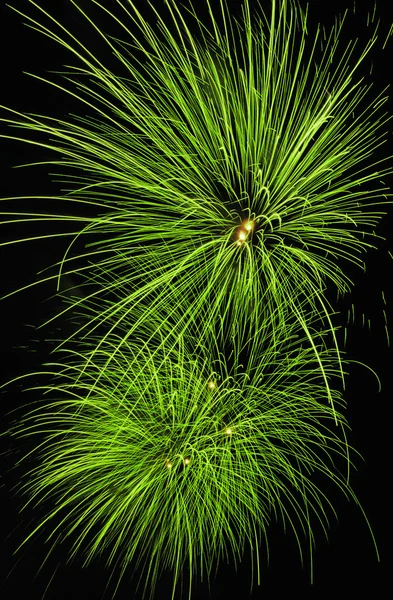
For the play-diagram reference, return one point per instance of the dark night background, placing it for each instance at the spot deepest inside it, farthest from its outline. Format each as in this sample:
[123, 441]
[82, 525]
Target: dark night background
[347, 562]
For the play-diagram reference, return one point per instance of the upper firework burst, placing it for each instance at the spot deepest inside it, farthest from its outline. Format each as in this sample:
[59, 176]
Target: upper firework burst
[232, 169]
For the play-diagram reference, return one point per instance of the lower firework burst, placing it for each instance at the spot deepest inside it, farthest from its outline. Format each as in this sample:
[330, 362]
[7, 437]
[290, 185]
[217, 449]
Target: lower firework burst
[165, 461]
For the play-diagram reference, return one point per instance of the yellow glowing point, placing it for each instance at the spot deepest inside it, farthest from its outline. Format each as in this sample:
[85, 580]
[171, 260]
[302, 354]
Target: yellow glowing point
[211, 385]
[228, 431]
[248, 226]
[186, 461]
[239, 243]
[242, 236]
[168, 464]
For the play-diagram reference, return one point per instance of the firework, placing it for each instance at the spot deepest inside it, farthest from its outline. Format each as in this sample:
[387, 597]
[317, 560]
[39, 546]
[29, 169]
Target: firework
[166, 461]
[231, 169]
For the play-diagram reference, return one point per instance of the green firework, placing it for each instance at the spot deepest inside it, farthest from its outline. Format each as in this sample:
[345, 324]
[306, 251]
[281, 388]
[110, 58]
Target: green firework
[232, 168]
[171, 463]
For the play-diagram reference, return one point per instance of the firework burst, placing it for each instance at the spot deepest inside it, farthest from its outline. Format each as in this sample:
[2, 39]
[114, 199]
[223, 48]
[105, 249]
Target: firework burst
[166, 461]
[232, 168]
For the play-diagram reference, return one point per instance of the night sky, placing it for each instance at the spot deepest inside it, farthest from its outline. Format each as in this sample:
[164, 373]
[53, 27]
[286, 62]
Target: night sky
[346, 563]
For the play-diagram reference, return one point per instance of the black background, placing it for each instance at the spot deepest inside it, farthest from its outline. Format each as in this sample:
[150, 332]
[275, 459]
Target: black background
[345, 564]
